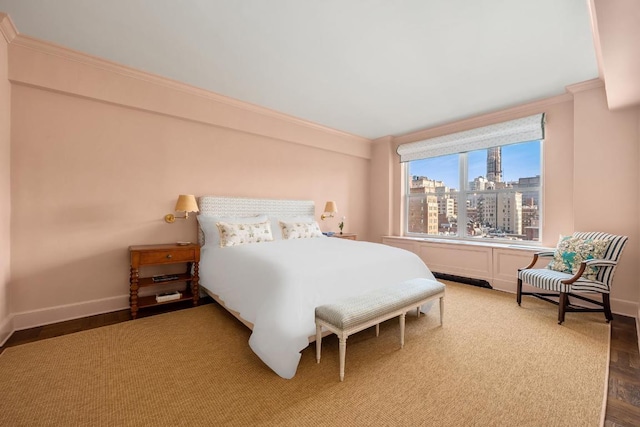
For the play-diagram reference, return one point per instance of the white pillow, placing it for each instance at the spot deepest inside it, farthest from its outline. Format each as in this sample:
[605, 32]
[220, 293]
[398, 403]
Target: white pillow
[275, 224]
[211, 233]
[242, 234]
[300, 230]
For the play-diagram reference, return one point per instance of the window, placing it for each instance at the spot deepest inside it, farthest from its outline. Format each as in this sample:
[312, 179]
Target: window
[479, 184]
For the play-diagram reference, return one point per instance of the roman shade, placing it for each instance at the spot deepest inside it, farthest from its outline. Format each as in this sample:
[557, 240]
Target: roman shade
[514, 131]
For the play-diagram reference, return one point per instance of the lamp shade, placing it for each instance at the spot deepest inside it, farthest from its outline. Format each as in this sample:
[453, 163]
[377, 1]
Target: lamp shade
[187, 203]
[330, 207]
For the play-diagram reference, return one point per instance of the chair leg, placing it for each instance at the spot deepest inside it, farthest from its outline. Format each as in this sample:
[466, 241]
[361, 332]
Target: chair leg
[519, 291]
[606, 301]
[562, 305]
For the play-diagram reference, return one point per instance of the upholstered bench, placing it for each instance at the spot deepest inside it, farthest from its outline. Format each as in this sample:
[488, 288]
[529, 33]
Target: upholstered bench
[354, 314]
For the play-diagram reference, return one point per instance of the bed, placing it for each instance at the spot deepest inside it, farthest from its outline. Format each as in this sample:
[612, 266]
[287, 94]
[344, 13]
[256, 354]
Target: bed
[273, 287]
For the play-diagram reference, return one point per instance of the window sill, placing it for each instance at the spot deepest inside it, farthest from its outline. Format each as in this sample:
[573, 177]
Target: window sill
[498, 245]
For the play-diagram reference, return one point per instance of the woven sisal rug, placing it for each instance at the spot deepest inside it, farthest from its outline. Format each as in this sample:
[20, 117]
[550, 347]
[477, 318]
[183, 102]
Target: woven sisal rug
[492, 364]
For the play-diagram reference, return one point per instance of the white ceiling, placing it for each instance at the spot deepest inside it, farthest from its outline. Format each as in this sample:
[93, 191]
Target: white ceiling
[369, 67]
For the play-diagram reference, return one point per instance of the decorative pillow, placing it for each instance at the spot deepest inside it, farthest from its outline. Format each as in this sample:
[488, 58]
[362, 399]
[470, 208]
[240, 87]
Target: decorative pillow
[211, 232]
[571, 251]
[300, 230]
[241, 234]
[275, 224]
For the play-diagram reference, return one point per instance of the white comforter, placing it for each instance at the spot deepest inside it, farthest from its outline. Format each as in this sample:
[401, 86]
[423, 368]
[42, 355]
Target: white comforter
[277, 285]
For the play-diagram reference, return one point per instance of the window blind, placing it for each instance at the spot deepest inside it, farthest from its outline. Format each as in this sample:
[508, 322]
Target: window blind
[514, 131]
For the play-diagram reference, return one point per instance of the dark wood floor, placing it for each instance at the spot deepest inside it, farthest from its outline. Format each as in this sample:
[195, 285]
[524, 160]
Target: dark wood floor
[623, 401]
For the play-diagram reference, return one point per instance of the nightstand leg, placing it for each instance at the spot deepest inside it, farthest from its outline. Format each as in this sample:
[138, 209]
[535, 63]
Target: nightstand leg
[133, 288]
[194, 283]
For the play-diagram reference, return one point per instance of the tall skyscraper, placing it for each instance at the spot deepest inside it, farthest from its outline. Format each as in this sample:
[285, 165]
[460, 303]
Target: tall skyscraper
[494, 164]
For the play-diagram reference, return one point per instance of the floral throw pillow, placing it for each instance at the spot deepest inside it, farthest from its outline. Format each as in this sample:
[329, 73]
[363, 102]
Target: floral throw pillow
[300, 230]
[571, 251]
[241, 234]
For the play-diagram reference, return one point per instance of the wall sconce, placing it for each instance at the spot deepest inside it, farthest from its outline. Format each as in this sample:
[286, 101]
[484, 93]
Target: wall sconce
[330, 209]
[186, 203]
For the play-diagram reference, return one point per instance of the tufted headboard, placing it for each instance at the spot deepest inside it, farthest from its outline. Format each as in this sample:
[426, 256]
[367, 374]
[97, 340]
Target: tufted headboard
[241, 207]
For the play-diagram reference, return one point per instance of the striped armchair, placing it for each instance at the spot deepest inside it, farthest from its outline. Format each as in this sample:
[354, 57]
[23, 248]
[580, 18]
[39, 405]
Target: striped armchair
[564, 285]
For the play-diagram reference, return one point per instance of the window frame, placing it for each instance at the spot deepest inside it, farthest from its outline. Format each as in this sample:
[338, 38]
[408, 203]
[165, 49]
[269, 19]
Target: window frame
[461, 197]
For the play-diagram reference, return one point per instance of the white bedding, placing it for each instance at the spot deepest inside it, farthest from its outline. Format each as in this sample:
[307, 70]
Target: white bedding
[277, 285]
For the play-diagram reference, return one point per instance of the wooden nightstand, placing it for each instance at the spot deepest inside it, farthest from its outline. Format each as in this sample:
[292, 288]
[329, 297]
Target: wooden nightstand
[148, 255]
[349, 236]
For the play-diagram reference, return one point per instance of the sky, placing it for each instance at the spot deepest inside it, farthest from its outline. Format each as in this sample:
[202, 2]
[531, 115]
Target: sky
[518, 161]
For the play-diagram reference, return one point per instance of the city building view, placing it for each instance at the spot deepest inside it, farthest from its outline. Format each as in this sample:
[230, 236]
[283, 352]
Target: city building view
[492, 208]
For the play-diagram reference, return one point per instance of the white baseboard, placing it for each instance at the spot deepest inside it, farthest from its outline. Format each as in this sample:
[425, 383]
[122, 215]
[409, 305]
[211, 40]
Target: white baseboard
[624, 307]
[638, 326]
[6, 329]
[61, 313]
[47, 316]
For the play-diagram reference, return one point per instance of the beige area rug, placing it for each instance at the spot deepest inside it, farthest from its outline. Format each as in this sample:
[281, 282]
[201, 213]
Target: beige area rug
[492, 364]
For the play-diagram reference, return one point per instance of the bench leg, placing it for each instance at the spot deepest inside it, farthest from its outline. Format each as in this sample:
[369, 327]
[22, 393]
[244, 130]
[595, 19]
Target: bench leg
[318, 342]
[377, 329]
[343, 353]
[441, 309]
[418, 311]
[402, 316]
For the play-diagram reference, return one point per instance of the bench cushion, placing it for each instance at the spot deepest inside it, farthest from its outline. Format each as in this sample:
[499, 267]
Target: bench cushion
[360, 309]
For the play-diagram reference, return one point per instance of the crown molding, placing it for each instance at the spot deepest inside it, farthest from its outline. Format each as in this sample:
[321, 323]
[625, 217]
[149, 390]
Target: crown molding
[7, 28]
[584, 86]
[382, 140]
[110, 66]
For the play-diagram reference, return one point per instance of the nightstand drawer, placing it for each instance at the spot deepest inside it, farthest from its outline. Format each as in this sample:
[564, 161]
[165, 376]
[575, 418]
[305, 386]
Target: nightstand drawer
[168, 256]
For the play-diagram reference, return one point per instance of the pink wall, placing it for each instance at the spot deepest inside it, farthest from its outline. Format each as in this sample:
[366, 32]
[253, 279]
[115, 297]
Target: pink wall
[5, 191]
[606, 176]
[381, 188]
[99, 152]
[616, 25]
[616, 35]
[591, 157]
[94, 170]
